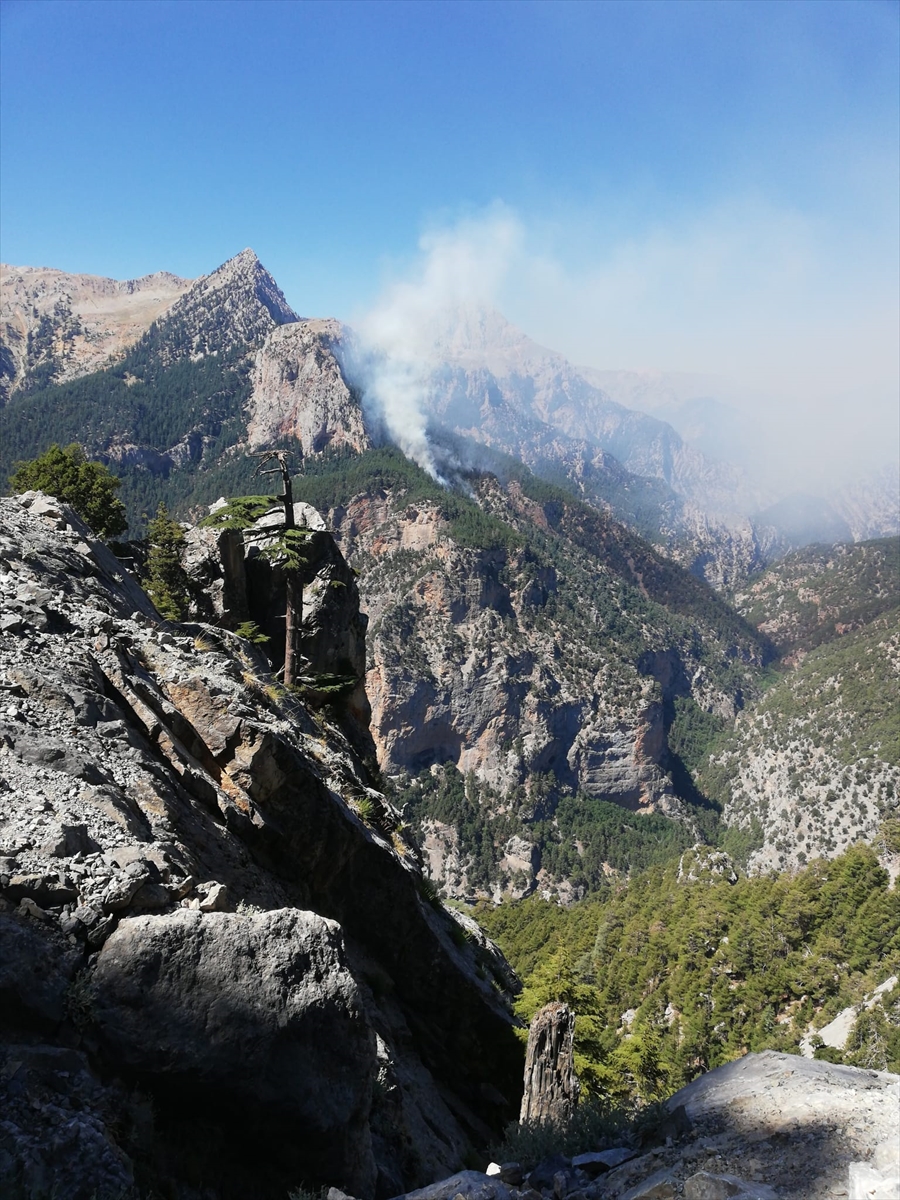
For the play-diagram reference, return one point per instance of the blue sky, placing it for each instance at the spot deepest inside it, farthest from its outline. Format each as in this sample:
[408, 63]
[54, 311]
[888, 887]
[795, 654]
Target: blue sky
[697, 186]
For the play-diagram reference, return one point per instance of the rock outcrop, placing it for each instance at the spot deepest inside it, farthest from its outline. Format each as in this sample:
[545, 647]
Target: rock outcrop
[299, 391]
[215, 959]
[257, 1014]
[767, 1127]
[551, 1089]
[234, 581]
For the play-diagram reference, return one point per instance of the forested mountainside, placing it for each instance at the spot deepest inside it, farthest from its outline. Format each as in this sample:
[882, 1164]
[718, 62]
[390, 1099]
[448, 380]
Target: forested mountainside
[171, 380]
[521, 641]
[815, 762]
[526, 641]
[689, 965]
[166, 412]
[820, 593]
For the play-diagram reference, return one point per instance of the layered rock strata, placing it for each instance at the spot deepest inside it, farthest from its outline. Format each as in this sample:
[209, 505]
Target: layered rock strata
[208, 923]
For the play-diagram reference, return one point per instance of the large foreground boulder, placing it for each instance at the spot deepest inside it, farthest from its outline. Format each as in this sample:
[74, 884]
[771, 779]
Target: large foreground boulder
[254, 1016]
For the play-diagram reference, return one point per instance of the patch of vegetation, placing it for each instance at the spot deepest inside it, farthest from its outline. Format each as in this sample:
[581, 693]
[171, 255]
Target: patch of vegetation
[89, 487]
[579, 838]
[166, 581]
[251, 632]
[595, 1125]
[821, 593]
[706, 971]
[239, 513]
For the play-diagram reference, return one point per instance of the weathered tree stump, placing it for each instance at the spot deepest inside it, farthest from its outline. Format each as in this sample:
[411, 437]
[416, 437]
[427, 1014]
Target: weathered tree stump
[551, 1089]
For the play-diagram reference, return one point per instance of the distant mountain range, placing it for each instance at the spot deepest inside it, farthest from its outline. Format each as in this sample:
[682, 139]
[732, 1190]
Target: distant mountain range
[481, 379]
[523, 633]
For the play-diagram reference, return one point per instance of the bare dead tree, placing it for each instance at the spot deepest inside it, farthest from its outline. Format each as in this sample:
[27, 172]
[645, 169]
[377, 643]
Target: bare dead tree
[293, 612]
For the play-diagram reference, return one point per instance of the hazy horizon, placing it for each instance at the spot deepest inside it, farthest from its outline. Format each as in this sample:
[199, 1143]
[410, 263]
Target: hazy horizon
[691, 188]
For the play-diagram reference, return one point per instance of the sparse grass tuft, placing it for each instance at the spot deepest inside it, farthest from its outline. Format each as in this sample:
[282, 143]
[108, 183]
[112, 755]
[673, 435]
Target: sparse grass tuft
[594, 1126]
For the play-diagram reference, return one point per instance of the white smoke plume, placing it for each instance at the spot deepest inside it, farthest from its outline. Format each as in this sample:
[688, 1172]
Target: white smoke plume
[460, 267]
[795, 319]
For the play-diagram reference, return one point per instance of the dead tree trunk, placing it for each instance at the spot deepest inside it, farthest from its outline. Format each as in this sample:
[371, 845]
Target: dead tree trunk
[293, 611]
[551, 1089]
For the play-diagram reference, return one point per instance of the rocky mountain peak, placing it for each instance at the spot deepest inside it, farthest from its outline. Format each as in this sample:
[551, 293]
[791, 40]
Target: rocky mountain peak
[56, 326]
[244, 272]
[234, 307]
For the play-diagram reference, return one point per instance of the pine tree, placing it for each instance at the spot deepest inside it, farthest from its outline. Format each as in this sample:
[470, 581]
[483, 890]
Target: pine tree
[89, 487]
[167, 581]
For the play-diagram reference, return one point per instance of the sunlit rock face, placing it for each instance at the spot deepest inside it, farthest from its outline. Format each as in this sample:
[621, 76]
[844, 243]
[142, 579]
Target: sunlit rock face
[211, 922]
[299, 391]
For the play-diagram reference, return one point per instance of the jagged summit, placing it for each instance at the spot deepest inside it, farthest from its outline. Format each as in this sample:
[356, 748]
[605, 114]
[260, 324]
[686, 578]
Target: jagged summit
[56, 327]
[245, 270]
[237, 304]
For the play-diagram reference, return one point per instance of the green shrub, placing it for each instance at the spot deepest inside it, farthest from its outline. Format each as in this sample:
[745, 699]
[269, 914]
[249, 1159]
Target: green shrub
[166, 581]
[89, 487]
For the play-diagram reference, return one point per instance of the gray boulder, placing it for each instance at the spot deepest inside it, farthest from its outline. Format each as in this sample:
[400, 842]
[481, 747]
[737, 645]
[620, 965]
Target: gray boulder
[472, 1185]
[255, 1016]
[36, 970]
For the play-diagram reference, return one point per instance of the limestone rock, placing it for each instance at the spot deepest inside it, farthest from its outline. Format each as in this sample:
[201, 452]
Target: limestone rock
[659, 1186]
[704, 1186]
[86, 320]
[35, 971]
[299, 391]
[597, 1161]
[59, 1126]
[140, 765]
[260, 1008]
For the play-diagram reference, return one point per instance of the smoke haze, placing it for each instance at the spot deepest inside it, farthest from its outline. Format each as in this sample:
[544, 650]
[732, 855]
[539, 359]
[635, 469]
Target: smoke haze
[458, 267]
[791, 324]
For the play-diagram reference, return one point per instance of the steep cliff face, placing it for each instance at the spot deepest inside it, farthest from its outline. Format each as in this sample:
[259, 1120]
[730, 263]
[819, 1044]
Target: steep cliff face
[299, 391]
[215, 960]
[546, 644]
[55, 326]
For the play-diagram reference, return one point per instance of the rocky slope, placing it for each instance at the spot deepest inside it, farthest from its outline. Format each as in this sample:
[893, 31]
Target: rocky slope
[766, 1127]
[217, 968]
[815, 764]
[530, 642]
[773, 1126]
[55, 326]
[822, 593]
